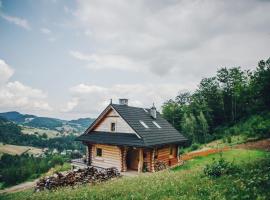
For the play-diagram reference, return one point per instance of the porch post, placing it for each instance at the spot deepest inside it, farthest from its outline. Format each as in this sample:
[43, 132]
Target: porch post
[153, 160]
[140, 164]
[89, 156]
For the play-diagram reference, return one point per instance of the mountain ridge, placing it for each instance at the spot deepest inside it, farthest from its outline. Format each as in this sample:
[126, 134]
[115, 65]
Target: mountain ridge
[76, 125]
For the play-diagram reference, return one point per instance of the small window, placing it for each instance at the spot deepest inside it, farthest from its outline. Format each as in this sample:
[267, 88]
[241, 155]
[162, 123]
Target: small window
[99, 152]
[113, 127]
[144, 125]
[157, 125]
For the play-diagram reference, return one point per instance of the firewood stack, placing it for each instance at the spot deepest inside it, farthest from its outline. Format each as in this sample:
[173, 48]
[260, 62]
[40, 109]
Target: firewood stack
[159, 165]
[76, 177]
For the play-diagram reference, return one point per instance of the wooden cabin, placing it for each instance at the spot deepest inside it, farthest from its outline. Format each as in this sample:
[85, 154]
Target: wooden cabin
[131, 138]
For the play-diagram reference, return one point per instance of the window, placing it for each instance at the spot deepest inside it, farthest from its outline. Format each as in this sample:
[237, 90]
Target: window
[157, 125]
[113, 127]
[144, 125]
[98, 152]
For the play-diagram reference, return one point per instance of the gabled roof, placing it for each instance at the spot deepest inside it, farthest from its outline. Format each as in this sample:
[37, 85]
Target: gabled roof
[148, 137]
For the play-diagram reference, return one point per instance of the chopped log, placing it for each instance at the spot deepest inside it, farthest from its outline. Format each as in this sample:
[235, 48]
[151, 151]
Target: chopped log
[160, 165]
[76, 177]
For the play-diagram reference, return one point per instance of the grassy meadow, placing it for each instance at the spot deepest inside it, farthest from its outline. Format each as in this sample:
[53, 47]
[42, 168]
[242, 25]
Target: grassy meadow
[185, 182]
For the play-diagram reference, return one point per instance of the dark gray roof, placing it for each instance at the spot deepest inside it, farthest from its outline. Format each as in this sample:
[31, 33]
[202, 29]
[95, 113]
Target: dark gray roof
[126, 139]
[151, 136]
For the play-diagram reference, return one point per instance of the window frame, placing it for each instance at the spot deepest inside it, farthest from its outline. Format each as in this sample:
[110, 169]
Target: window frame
[156, 124]
[144, 124]
[113, 125]
[99, 152]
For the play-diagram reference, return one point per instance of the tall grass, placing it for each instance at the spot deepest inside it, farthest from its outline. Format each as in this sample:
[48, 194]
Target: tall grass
[181, 183]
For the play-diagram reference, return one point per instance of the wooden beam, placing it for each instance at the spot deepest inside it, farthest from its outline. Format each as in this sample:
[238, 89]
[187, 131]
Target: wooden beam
[153, 160]
[140, 164]
[89, 156]
[123, 159]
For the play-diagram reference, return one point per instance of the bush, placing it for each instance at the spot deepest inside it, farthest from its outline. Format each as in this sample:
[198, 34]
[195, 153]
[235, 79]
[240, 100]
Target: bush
[219, 168]
[194, 146]
[229, 139]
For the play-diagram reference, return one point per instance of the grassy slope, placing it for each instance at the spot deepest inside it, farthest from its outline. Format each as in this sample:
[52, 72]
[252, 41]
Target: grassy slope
[184, 182]
[16, 149]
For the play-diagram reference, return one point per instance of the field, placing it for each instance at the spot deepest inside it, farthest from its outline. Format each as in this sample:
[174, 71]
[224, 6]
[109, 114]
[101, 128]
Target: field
[185, 182]
[32, 130]
[18, 150]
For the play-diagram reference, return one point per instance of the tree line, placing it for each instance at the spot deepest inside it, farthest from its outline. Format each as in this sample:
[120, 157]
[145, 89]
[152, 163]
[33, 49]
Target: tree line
[230, 97]
[16, 169]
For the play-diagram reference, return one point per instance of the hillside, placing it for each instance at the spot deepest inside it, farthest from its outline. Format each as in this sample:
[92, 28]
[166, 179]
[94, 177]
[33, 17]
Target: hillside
[62, 126]
[187, 182]
[11, 133]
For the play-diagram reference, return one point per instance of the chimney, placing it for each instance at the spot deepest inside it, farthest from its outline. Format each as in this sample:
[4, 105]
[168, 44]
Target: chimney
[153, 112]
[123, 102]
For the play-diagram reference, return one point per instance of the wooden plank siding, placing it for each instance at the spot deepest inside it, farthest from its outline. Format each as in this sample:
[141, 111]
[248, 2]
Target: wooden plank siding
[121, 126]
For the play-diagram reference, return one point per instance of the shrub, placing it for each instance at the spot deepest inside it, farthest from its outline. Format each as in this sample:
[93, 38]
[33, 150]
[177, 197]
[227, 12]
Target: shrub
[229, 139]
[194, 146]
[219, 168]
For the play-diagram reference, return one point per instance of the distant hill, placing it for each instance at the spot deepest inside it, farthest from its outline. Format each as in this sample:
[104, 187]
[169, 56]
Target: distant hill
[75, 126]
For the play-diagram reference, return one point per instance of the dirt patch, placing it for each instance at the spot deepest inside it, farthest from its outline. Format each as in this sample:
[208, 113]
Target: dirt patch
[203, 152]
[20, 187]
[260, 144]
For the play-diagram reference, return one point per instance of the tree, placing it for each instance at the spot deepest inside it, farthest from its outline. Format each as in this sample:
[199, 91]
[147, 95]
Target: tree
[203, 128]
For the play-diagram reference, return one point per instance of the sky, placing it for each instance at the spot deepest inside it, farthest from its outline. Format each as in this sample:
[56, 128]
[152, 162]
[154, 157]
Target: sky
[67, 59]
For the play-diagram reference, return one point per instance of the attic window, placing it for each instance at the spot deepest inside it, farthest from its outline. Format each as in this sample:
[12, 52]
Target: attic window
[112, 127]
[144, 125]
[157, 125]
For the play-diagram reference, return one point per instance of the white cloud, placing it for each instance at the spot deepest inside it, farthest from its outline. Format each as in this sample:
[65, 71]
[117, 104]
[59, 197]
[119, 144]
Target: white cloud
[89, 100]
[17, 96]
[5, 72]
[17, 21]
[106, 61]
[46, 31]
[173, 38]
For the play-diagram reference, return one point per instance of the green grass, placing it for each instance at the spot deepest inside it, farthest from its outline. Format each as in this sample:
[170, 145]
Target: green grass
[181, 183]
[238, 156]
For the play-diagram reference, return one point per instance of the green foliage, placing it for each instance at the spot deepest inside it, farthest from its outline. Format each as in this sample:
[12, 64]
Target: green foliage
[230, 97]
[194, 146]
[220, 167]
[257, 126]
[16, 169]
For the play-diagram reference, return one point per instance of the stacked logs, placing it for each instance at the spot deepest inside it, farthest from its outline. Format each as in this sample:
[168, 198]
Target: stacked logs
[76, 177]
[159, 165]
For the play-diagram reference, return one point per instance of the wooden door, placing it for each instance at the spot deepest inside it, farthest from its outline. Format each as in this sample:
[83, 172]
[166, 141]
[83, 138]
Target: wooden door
[132, 159]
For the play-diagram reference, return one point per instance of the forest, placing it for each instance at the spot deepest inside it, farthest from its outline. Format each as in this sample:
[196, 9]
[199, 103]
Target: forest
[10, 133]
[234, 101]
[16, 169]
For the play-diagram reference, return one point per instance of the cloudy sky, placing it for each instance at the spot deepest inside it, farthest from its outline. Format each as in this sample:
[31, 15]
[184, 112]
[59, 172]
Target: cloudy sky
[66, 59]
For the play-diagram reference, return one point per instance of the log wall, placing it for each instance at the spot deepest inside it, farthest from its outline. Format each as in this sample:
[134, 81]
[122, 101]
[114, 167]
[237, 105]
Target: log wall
[163, 155]
[111, 156]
